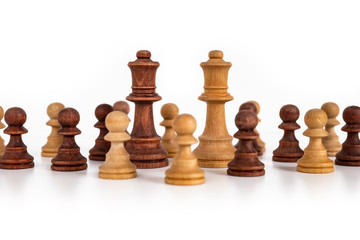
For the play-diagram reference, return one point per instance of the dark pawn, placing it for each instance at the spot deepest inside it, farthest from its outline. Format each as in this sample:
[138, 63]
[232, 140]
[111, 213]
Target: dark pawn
[102, 146]
[122, 106]
[16, 155]
[288, 150]
[69, 157]
[251, 107]
[246, 162]
[350, 151]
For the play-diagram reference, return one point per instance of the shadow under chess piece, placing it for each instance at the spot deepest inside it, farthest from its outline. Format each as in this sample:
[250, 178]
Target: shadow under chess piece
[258, 139]
[246, 162]
[169, 111]
[315, 159]
[102, 146]
[117, 164]
[331, 142]
[2, 143]
[350, 152]
[288, 150]
[185, 169]
[54, 140]
[69, 157]
[16, 155]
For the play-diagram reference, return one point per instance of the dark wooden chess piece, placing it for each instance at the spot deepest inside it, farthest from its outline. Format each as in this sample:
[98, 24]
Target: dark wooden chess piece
[144, 147]
[69, 157]
[102, 146]
[251, 107]
[246, 162]
[16, 155]
[122, 106]
[288, 150]
[350, 151]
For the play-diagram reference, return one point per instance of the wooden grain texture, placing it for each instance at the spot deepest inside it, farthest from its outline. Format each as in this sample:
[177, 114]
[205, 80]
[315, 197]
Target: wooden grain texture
[101, 146]
[144, 147]
[215, 149]
[315, 159]
[246, 162]
[258, 139]
[288, 150]
[350, 151]
[69, 157]
[122, 106]
[16, 155]
[50, 149]
[169, 111]
[117, 164]
[331, 142]
[185, 169]
[2, 143]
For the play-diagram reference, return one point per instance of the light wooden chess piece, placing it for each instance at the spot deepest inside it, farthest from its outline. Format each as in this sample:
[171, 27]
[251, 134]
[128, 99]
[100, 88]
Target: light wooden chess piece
[331, 142]
[2, 144]
[185, 169]
[50, 149]
[215, 149]
[169, 111]
[117, 164]
[315, 159]
[258, 139]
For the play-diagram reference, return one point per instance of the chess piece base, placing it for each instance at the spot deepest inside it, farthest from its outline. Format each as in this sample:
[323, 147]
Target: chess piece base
[238, 173]
[185, 182]
[314, 170]
[17, 166]
[151, 163]
[347, 163]
[332, 153]
[171, 154]
[285, 159]
[46, 153]
[213, 163]
[97, 157]
[106, 175]
[69, 168]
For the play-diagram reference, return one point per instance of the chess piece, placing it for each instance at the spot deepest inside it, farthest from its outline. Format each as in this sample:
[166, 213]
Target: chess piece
[315, 159]
[246, 162]
[350, 151]
[258, 139]
[215, 149]
[169, 111]
[101, 145]
[144, 146]
[16, 155]
[122, 106]
[54, 140]
[117, 164]
[185, 169]
[288, 150]
[2, 144]
[331, 142]
[251, 107]
[69, 157]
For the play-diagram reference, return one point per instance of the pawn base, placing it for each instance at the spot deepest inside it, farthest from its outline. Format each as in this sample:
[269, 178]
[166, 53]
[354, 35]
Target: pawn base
[332, 153]
[97, 157]
[171, 154]
[151, 163]
[69, 168]
[238, 173]
[285, 159]
[113, 175]
[48, 154]
[347, 163]
[184, 182]
[16, 166]
[213, 163]
[314, 170]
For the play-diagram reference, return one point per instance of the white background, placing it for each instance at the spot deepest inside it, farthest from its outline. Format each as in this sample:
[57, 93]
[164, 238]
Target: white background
[76, 52]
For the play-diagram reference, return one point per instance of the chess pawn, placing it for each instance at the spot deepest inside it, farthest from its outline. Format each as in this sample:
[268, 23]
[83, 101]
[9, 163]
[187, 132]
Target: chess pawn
[258, 139]
[315, 159]
[350, 151]
[288, 150]
[169, 111]
[54, 140]
[251, 107]
[185, 169]
[2, 144]
[117, 164]
[122, 106]
[69, 157]
[246, 162]
[16, 155]
[331, 142]
[215, 149]
[101, 145]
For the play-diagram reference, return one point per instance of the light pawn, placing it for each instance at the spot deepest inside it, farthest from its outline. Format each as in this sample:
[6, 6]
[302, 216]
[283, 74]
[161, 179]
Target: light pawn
[185, 169]
[117, 163]
[258, 139]
[331, 142]
[169, 111]
[2, 143]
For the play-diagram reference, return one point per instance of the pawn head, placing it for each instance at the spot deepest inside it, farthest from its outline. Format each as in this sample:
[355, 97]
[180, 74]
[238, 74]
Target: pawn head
[169, 111]
[257, 105]
[102, 111]
[53, 109]
[122, 106]
[315, 118]
[117, 121]
[184, 124]
[246, 120]
[69, 117]
[15, 116]
[332, 109]
[351, 115]
[289, 113]
[248, 106]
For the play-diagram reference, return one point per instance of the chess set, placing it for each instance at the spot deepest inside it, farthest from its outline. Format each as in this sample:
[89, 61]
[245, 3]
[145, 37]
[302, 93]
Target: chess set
[123, 153]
